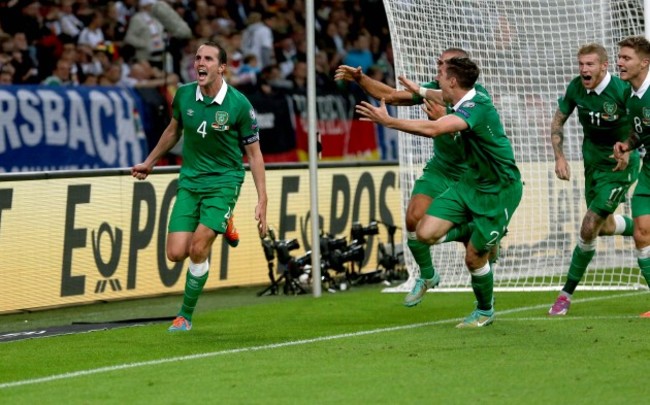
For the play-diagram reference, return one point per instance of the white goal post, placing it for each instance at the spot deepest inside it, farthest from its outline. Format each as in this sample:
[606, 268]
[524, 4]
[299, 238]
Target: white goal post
[527, 54]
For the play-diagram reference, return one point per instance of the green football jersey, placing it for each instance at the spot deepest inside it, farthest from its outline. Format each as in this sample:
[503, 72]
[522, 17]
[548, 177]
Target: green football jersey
[213, 132]
[638, 109]
[490, 157]
[603, 118]
[448, 151]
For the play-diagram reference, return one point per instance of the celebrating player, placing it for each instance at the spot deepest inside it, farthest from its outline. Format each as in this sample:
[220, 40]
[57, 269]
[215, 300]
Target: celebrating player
[215, 120]
[633, 62]
[445, 167]
[488, 192]
[600, 100]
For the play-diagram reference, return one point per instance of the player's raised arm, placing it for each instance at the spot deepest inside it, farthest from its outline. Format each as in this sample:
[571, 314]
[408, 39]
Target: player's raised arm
[429, 129]
[373, 87]
[414, 88]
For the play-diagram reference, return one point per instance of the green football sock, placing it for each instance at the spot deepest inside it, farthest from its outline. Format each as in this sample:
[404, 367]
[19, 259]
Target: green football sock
[629, 226]
[422, 256]
[644, 265]
[579, 263]
[193, 287]
[459, 233]
[483, 287]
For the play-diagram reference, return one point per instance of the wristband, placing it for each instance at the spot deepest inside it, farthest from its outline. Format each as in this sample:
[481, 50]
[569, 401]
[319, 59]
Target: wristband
[422, 91]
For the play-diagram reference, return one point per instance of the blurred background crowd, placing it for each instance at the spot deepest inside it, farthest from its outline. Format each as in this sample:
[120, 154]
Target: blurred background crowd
[151, 43]
[149, 46]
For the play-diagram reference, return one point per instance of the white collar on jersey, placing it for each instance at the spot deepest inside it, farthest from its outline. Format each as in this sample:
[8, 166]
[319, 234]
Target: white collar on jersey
[468, 96]
[221, 95]
[646, 83]
[601, 86]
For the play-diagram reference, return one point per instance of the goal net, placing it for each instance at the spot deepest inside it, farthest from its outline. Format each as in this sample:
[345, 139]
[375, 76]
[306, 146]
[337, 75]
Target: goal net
[527, 54]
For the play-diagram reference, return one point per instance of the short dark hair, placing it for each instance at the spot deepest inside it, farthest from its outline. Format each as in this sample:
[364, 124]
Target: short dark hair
[639, 43]
[465, 71]
[223, 57]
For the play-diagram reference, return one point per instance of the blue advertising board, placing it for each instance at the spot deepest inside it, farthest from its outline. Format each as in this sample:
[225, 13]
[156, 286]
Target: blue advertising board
[45, 128]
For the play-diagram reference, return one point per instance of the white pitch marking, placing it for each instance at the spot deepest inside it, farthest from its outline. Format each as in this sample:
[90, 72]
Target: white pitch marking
[100, 370]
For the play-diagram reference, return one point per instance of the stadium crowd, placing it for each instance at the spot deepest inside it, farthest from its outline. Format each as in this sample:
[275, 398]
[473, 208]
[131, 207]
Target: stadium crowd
[151, 43]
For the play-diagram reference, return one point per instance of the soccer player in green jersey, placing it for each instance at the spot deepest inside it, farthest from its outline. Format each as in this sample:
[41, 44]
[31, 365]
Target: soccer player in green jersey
[600, 101]
[633, 63]
[488, 193]
[444, 168]
[216, 120]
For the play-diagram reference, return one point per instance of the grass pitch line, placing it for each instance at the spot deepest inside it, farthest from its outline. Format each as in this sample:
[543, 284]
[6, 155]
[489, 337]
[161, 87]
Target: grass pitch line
[567, 318]
[118, 367]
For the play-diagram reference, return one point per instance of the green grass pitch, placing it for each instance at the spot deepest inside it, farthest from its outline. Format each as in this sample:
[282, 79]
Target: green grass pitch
[353, 347]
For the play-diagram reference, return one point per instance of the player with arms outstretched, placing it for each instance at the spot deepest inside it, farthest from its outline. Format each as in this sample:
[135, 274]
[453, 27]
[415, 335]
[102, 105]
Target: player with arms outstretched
[487, 194]
[445, 167]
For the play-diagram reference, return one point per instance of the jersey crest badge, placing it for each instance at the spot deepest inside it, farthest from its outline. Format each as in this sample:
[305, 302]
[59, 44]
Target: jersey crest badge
[610, 111]
[646, 116]
[221, 119]
[190, 113]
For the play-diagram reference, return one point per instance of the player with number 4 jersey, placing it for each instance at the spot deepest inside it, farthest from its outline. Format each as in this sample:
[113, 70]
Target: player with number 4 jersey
[216, 121]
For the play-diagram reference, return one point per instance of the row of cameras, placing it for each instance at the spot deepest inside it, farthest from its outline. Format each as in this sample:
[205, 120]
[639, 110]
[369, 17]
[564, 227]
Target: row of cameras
[335, 252]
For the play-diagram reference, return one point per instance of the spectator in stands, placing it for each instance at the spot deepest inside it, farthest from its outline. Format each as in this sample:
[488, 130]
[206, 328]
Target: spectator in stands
[112, 76]
[324, 81]
[92, 35]
[299, 77]
[245, 78]
[83, 62]
[258, 37]
[125, 10]
[343, 29]
[145, 75]
[285, 54]
[272, 82]
[203, 30]
[385, 62]
[60, 76]
[6, 74]
[234, 49]
[69, 23]
[331, 42]
[187, 71]
[147, 35]
[10, 56]
[103, 80]
[90, 80]
[177, 30]
[114, 29]
[26, 70]
[239, 11]
[358, 54]
[24, 16]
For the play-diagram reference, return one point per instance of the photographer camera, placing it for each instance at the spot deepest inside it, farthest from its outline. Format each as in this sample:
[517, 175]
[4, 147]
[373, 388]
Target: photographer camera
[290, 272]
[339, 252]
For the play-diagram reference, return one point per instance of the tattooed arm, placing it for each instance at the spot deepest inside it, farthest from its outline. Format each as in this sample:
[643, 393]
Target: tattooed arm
[562, 170]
